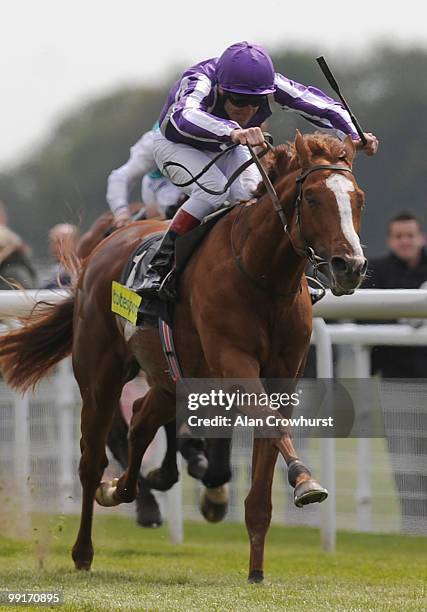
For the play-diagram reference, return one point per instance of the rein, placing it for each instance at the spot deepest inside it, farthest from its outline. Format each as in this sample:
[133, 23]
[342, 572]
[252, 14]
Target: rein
[238, 261]
[195, 179]
[307, 251]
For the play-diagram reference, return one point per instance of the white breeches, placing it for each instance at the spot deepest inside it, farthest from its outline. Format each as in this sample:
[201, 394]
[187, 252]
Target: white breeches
[160, 192]
[201, 203]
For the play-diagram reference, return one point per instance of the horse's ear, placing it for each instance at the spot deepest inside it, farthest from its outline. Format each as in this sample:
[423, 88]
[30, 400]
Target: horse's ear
[350, 149]
[303, 151]
[281, 159]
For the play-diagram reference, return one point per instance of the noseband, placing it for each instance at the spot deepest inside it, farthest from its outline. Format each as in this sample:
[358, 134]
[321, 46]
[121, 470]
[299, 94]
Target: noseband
[306, 251]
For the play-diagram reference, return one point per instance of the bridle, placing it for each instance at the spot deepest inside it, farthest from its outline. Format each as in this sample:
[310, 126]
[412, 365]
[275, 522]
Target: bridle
[306, 251]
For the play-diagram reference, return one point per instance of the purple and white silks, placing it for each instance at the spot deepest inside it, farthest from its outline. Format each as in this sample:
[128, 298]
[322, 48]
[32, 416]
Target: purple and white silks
[193, 113]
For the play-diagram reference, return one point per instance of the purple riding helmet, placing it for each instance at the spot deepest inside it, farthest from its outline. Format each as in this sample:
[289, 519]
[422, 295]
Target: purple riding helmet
[245, 68]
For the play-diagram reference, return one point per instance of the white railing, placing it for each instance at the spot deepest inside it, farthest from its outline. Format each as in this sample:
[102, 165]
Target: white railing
[374, 304]
[365, 304]
[59, 446]
[368, 304]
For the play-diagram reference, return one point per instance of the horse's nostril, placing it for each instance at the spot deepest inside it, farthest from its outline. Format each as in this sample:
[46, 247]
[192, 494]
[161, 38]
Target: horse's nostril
[339, 265]
[349, 266]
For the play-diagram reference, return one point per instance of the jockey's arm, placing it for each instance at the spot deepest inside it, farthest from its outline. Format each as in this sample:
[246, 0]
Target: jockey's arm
[191, 118]
[121, 180]
[320, 110]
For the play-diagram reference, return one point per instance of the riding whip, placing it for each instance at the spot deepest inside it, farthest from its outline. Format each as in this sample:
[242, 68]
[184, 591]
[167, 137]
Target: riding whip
[332, 82]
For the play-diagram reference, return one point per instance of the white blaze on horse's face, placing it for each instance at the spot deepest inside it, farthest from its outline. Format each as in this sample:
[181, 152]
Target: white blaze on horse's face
[341, 186]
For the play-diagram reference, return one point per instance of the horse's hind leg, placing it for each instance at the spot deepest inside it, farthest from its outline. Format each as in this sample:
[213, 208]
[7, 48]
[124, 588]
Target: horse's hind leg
[100, 389]
[152, 411]
[147, 509]
[258, 506]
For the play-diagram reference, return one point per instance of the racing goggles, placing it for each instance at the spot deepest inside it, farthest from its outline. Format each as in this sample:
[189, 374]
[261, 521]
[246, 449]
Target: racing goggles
[242, 100]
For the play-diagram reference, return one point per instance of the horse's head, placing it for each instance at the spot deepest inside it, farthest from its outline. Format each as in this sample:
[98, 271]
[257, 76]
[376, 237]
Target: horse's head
[327, 211]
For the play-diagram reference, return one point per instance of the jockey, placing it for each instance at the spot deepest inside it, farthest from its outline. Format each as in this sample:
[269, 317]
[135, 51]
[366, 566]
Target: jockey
[160, 196]
[156, 189]
[218, 102]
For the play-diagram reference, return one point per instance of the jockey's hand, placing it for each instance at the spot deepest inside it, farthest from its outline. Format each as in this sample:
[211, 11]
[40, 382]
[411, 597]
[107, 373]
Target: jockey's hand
[252, 136]
[122, 218]
[371, 146]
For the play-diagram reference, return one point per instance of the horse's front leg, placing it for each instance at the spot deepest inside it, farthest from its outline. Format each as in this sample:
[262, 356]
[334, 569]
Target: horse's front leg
[165, 476]
[258, 506]
[215, 497]
[231, 363]
[306, 489]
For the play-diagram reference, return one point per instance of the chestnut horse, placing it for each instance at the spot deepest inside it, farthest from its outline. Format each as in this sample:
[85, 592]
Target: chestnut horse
[244, 312]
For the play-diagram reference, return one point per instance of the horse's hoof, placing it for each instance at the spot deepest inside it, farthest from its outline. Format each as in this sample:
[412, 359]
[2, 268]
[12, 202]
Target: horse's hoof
[105, 493]
[256, 577]
[197, 466]
[83, 559]
[148, 511]
[309, 492]
[160, 479]
[214, 503]
[83, 565]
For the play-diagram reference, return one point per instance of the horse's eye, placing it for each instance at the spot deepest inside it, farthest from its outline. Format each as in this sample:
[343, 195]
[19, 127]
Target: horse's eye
[361, 201]
[311, 200]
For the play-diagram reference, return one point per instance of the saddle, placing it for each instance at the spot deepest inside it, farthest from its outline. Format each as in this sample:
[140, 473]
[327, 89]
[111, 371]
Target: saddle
[150, 310]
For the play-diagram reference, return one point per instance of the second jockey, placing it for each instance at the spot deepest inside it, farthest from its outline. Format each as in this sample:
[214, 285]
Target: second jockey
[215, 103]
[157, 191]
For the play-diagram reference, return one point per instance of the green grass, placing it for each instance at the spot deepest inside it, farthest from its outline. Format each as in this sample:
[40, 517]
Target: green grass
[138, 569]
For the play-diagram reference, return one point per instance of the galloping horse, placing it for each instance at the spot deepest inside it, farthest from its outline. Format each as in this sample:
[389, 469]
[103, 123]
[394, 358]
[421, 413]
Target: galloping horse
[216, 473]
[244, 312]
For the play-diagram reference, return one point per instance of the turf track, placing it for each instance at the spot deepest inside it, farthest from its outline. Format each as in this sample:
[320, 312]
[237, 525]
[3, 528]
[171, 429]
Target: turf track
[136, 569]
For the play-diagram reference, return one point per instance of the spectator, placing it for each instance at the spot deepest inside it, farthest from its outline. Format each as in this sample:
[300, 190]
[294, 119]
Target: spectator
[405, 267]
[63, 240]
[15, 266]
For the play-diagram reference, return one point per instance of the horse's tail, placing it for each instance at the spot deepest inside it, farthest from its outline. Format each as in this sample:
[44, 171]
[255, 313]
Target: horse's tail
[46, 337]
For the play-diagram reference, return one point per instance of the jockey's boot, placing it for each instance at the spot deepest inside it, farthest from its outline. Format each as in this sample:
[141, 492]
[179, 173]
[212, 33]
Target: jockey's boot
[159, 280]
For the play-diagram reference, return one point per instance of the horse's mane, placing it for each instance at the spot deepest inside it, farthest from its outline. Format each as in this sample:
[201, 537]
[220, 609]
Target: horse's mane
[283, 159]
